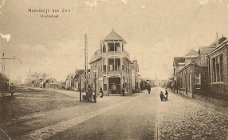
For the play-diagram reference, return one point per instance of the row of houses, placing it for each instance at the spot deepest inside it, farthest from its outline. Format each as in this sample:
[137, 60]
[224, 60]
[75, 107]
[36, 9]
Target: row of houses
[111, 68]
[41, 80]
[203, 71]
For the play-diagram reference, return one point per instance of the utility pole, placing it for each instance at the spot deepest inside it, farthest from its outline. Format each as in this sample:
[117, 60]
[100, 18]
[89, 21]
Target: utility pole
[3, 63]
[8, 58]
[80, 89]
[86, 63]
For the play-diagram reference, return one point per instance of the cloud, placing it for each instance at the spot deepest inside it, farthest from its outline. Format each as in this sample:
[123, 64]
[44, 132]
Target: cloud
[6, 36]
[91, 3]
[124, 1]
[203, 2]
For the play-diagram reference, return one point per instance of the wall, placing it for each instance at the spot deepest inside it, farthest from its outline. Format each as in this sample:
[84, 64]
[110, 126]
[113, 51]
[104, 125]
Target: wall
[221, 88]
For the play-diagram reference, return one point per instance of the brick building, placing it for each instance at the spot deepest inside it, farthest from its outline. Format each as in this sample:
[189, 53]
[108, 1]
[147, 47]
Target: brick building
[218, 68]
[193, 77]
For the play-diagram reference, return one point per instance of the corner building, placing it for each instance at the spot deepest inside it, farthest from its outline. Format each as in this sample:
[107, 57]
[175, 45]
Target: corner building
[111, 67]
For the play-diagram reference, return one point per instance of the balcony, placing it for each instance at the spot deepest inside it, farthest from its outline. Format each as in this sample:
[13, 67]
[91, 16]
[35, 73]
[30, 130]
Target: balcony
[114, 74]
[115, 53]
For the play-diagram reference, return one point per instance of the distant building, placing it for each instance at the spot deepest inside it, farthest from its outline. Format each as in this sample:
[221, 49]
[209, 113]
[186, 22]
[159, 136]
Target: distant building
[218, 68]
[135, 77]
[111, 67]
[69, 82]
[49, 83]
[4, 83]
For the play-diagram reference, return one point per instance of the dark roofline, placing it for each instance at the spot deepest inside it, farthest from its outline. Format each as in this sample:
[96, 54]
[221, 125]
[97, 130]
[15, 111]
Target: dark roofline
[222, 45]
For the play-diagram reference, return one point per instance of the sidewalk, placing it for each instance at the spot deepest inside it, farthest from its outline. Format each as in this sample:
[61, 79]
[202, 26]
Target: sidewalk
[186, 118]
[70, 93]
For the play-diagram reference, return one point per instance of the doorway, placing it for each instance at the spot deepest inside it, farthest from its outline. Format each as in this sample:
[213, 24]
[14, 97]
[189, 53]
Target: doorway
[114, 85]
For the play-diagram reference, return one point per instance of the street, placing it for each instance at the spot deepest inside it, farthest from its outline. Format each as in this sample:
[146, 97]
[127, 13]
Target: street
[139, 116]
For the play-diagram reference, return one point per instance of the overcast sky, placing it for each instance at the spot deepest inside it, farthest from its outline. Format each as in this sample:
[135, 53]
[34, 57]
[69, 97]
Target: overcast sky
[156, 31]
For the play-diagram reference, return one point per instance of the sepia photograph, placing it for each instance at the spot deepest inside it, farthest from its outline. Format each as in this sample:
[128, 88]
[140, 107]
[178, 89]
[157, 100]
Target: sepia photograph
[114, 70]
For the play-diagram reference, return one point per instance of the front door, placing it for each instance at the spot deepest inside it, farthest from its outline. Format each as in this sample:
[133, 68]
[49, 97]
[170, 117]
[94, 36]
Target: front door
[114, 85]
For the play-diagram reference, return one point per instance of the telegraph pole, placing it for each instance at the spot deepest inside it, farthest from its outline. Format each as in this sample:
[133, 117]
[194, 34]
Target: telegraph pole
[86, 63]
[3, 64]
[3, 58]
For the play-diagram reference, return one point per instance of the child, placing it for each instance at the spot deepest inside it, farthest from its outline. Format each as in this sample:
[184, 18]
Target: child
[162, 96]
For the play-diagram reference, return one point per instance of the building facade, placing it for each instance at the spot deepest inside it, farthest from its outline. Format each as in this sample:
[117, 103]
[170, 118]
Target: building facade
[193, 77]
[111, 67]
[218, 69]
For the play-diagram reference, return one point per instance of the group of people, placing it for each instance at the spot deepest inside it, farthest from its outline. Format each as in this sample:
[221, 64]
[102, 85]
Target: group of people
[90, 95]
[164, 97]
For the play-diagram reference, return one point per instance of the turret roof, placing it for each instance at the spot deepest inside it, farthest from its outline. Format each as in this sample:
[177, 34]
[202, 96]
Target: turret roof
[114, 36]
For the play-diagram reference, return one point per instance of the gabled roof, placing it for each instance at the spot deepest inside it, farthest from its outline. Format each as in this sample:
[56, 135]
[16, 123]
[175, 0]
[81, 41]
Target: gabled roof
[192, 53]
[220, 46]
[178, 60]
[205, 50]
[95, 57]
[114, 36]
[218, 41]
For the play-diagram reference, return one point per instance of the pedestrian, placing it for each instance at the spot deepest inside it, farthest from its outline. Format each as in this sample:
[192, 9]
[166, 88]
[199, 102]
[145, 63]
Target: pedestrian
[166, 95]
[90, 94]
[123, 91]
[12, 89]
[162, 96]
[101, 93]
[83, 95]
[94, 97]
[148, 88]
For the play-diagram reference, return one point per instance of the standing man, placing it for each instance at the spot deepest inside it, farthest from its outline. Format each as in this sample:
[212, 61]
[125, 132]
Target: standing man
[166, 95]
[101, 93]
[123, 91]
[12, 89]
[148, 88]
[94, 97]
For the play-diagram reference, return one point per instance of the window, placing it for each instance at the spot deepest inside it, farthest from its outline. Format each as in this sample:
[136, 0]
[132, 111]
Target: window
[198, 79]
[221, 67]
[104, 68]
[104, 48]
[217, 69]
[213, 70]
[117, 46]
[111, 47]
